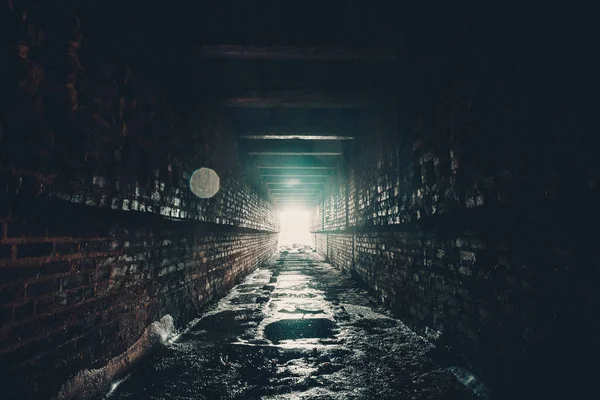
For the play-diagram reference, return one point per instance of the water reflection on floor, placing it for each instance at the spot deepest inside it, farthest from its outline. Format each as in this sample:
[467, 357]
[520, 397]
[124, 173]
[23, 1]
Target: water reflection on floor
[298, 329]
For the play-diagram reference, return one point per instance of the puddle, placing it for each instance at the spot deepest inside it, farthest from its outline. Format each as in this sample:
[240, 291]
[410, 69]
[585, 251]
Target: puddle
[299, 328]
[301, 311]
[225, 323]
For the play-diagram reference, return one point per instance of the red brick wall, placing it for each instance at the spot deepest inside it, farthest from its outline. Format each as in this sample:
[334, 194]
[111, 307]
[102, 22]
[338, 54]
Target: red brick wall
[80, 285]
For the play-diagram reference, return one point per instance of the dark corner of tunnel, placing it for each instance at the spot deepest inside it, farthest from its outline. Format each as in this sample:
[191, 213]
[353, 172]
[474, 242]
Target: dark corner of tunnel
[448, 160]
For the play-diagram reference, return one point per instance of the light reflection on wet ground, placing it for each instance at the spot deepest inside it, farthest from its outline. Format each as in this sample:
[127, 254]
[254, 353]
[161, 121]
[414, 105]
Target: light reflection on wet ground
[298, 329]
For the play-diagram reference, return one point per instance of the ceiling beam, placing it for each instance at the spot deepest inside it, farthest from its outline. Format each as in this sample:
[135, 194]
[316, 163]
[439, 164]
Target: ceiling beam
[293, 98]
[294, 172]
[296, 200]
[339, 121]
[302, 180]
[258, 102]
[307, 201]
[283, 185]
[296, 161]
[296, 153]
[312, 202]
[293, 146]
[286, 206]
[292, 136]
[294, 176]
[300, 195]
[287, 128]
[283, 192]
[294, 196]
[295, 53]
[294, 167]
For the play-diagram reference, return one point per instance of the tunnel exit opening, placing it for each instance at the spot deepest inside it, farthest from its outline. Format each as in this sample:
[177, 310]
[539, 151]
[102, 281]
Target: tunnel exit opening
[295, 228]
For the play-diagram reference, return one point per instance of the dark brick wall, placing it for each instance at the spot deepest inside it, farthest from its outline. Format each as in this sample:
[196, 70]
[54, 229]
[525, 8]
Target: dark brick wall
[321, 243]
[340, 251]
[86, 124]
[334, 202]
[316, 222]
[471, 209]
[99, 232]
[76, 294]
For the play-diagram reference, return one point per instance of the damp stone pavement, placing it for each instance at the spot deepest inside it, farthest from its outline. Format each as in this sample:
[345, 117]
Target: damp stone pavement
[296, 328]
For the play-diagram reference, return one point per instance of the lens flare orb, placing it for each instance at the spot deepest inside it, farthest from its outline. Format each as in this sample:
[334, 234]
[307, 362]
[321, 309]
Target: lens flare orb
[205, 183]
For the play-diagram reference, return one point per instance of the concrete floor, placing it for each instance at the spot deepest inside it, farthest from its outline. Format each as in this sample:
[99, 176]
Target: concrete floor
[296, 329]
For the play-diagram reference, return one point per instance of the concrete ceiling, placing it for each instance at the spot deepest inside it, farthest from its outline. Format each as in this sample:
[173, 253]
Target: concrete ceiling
[296, 109]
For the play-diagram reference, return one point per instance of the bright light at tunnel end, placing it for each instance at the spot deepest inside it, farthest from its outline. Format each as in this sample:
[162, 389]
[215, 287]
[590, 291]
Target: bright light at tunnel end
[294, 223]
[292, 181]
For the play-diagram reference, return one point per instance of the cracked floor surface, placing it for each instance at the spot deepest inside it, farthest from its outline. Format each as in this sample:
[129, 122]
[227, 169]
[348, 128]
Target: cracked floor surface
[295, 329]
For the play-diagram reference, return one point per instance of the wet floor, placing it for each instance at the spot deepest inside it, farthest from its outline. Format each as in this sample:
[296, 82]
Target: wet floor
[297, 329]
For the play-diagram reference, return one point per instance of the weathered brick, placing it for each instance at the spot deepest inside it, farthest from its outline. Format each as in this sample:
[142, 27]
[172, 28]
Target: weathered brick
[26, 229]
[11, 293]
[45, 305]
[6, 316]
[65, 248]
[84, 265]
[5, 251]
[26, 250]
[4, 207]
[41, 288]
[96, 246]
[74, 296]
[56, 267]
[74, 281]
[15, 273]
[24, 311]
[87, 293]
[8, 182]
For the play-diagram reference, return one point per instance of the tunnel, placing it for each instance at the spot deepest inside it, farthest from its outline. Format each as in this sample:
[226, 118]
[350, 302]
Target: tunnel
[227, 199]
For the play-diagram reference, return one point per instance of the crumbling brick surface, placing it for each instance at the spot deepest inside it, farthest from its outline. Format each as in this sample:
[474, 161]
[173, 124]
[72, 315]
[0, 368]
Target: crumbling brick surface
[74, 301]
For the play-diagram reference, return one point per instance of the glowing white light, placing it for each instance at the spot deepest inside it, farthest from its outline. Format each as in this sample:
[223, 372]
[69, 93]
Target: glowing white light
[205, 183]
[294, 227]
[293, 181]
[115, 385]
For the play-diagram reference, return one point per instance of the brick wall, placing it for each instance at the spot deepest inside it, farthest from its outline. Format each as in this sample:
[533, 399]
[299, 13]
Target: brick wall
[90, 126]
[472, 207]
[100, 234]
[321, 243]
[316, 222]
[334, 203]
[340, 251]
[74, 295]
